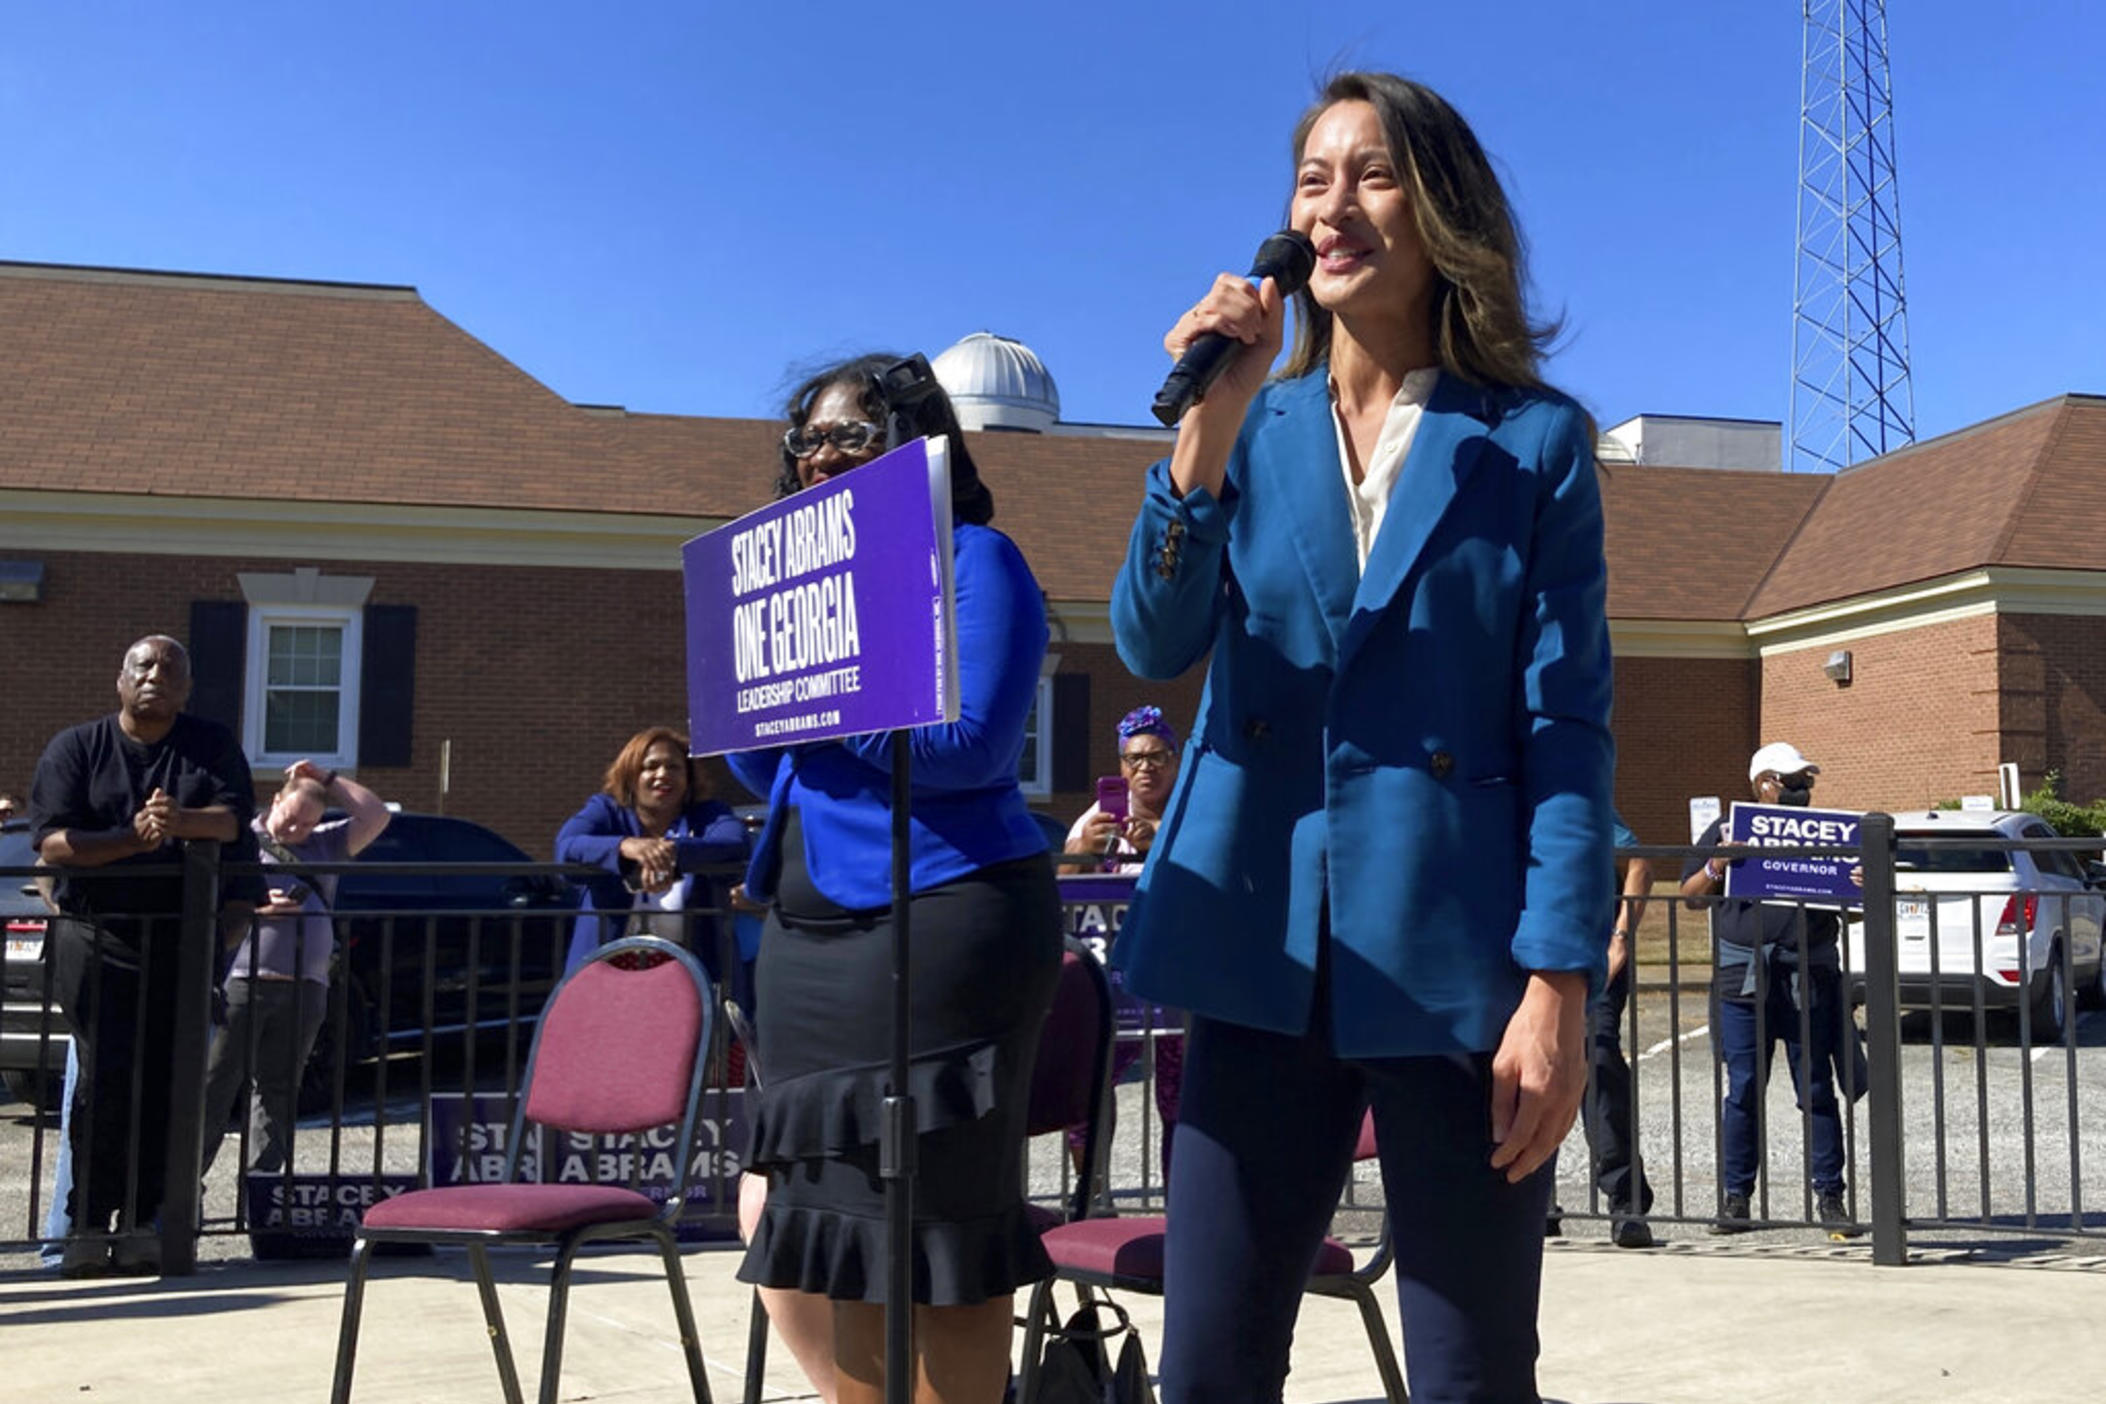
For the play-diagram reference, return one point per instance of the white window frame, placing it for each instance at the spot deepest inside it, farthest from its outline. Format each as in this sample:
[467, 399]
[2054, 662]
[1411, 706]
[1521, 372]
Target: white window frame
[262, 617]
[1042, 744]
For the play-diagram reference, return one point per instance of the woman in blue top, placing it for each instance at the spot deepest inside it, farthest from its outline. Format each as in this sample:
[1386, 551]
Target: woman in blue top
[985, 955]
[1383, 877]
[648, 829]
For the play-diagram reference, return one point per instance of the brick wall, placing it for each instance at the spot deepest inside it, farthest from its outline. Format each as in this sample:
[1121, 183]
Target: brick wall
[1684, 728]
[1920, 721]
[63, 654]
[1113, 693]
[537, 675]
[2053, 700]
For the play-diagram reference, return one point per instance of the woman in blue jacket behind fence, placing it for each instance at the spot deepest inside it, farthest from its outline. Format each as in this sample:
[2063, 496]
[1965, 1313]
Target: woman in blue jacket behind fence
[648, 830]
[1383, 878]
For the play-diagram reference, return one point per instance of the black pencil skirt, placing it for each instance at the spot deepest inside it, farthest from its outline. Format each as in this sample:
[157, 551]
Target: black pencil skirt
[984, 958]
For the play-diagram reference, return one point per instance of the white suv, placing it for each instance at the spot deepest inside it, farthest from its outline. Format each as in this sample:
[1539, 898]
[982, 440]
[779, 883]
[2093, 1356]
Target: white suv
[1941, 894]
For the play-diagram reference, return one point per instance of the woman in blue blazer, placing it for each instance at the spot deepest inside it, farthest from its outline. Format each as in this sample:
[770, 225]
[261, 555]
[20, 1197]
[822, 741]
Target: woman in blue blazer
[1384, 877]
[648, 829]
[984, 957]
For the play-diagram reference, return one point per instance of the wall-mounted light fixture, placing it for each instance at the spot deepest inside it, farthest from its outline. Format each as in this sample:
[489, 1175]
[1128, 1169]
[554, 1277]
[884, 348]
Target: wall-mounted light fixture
[21, 582]
[1838, 667]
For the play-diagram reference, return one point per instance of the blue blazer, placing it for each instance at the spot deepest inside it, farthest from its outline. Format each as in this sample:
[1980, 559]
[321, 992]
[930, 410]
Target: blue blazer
[968, 810]
[705, 833]
[1425, 746]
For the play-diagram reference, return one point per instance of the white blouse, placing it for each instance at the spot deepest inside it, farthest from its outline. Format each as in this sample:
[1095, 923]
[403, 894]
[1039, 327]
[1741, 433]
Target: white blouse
[1368, 499]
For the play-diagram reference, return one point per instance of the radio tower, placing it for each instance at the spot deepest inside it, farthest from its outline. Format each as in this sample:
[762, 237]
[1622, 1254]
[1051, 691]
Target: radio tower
[1850, 394]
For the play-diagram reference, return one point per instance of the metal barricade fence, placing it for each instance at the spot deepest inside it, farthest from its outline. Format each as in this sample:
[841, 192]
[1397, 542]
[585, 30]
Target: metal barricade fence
[1963, 1121]
[1971, 1118]
[448, 995]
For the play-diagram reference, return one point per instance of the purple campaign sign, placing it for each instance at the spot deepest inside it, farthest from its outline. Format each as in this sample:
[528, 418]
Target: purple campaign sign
[1093, 908]
[827, 614]
[1818, 881]
[468, 1143]
[318, 1206]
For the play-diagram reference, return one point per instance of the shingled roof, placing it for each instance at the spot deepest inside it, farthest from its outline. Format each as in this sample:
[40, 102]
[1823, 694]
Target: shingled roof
[141, 382]
[1695, 543]
[171, 383]
[2026, 489]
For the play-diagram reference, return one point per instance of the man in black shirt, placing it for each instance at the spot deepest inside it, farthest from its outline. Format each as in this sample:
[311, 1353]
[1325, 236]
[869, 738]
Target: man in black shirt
[1773, 960]
[110, 798]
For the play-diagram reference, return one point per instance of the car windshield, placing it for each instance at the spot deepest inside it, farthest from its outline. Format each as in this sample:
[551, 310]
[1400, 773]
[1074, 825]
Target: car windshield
[1910, 859]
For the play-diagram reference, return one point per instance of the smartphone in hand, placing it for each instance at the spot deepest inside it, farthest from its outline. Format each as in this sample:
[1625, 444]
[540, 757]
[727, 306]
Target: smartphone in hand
[1111, 796]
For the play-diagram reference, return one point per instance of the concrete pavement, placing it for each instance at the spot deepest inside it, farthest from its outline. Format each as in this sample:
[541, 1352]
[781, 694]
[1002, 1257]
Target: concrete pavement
[1690, 1321]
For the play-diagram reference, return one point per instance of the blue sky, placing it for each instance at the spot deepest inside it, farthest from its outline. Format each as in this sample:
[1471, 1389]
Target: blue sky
[668, 206]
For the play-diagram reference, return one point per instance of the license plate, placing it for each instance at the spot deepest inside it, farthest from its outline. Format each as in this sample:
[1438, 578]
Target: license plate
[24, 947]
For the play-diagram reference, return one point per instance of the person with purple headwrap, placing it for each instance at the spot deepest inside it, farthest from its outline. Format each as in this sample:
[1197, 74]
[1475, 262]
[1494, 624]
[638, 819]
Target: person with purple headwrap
[1148, 760]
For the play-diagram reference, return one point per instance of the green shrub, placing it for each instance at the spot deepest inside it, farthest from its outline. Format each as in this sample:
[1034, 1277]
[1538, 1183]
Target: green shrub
[2067, 819]
[2064, 817]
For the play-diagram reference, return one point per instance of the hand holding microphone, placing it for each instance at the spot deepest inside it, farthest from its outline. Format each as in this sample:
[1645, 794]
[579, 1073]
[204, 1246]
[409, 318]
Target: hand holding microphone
[1225, 348]
[1238, 312]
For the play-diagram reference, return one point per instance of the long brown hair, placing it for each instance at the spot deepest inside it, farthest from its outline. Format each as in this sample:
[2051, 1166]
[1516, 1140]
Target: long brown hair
[628, 767]
[1481, 327]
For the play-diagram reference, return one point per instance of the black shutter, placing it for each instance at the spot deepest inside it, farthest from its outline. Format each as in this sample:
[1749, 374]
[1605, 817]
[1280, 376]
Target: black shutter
[219, 646]
[1071, 732]
[387, 686]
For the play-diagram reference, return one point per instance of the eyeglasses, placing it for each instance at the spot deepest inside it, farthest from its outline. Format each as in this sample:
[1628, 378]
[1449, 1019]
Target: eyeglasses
[1154, 760]
[849, 436]
[1805, 779]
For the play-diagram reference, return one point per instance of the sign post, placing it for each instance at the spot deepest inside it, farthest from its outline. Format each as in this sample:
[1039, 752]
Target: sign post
[829, 614]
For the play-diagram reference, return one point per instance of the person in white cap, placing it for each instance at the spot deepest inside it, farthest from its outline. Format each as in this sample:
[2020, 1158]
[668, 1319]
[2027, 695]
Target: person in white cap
[1773, 961]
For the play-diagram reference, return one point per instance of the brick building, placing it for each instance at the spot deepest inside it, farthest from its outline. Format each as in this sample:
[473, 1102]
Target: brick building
[385, 544]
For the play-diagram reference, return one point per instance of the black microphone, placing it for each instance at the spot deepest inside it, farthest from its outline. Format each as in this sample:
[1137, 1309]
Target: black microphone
[1288, 258]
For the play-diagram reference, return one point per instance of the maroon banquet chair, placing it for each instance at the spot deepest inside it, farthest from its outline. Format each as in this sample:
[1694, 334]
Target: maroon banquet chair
[1127, 1255]
[620, 1049]
[1071, 1077]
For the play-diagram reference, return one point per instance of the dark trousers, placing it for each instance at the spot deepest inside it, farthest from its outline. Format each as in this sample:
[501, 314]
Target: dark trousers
[1812, 1059]
[1265, 1141]
[1606, 1112]
[271, 1029]
[122, 1009]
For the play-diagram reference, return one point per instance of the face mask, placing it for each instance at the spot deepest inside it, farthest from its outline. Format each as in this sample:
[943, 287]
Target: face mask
[1796, 790]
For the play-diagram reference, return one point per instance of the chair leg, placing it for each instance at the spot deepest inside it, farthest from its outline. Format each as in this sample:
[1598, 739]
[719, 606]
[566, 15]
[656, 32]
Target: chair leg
[1036, 1316]
[756, 1348]
[558, 1317]
[494, 1322]
[1378, 1341]
[684, 1314]
[347, 1331]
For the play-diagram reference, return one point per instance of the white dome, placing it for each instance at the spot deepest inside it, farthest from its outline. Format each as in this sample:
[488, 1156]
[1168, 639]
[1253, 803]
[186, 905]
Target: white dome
[997, 383]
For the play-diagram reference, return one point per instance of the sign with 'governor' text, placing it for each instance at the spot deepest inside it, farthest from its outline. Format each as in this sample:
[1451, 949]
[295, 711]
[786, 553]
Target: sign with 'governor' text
[1822, 881]
[828, 613]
